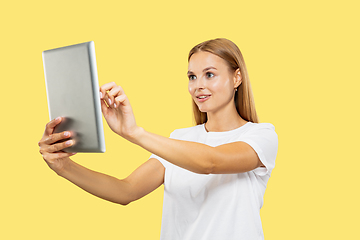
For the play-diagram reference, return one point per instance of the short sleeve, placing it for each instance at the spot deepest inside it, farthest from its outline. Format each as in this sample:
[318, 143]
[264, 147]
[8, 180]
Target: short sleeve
[165, 163]
[264, 141]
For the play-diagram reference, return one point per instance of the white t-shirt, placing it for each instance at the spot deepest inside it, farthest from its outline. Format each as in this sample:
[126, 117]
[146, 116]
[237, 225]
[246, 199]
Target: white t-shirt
[218, 206]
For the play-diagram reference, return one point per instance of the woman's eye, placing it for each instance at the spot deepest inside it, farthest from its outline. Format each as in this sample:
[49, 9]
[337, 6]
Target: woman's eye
[192, 77]
[209, 75]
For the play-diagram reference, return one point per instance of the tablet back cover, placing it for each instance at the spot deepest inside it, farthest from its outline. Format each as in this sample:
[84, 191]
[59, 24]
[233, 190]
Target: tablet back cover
[73, 92]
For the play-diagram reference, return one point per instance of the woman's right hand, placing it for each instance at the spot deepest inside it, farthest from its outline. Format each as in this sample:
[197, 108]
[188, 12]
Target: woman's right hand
[117, 111]
[51, 149]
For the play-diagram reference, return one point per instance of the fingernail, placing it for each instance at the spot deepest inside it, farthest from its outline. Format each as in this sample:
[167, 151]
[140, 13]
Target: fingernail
[58, 118]
[69, 142]
[66, 134]
[114, 105]
[109, 101]
[100, 94]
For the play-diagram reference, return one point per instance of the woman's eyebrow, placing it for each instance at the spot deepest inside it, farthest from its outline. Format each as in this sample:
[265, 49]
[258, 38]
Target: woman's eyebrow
[206, 69]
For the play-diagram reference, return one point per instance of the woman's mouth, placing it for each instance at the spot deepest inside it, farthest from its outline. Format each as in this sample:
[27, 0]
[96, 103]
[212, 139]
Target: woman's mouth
[203, 98]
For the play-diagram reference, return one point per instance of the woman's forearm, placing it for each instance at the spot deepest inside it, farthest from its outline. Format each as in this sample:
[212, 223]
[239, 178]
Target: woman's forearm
[235, 157]
[195, 157]
[98, 184]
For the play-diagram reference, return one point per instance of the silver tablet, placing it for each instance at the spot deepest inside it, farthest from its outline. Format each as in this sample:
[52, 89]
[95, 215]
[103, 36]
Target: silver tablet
[73, 92]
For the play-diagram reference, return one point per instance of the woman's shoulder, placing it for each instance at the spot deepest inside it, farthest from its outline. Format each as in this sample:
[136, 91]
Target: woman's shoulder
[261, 126]
[264, 129]
[182, 132]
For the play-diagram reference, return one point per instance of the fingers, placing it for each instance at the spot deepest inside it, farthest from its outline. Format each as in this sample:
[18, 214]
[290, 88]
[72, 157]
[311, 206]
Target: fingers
[55, 138]
[50, 126]
[117, 96]
[107, 87]
[104, 107]
[104, 89]
[51, 144]
[44, 149]
[113, 95]
[122, 99]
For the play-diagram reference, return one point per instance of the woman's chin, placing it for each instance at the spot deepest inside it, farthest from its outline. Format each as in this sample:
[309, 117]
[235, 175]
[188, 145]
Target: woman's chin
[203, 110]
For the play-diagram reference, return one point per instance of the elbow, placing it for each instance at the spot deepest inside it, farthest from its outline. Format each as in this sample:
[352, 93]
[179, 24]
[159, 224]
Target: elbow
[123, 202]
[125, 195]
[206, 171]
[209, 167]
[207, 164]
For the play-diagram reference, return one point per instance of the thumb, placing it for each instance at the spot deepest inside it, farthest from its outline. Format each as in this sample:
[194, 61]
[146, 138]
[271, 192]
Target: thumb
[104, 107]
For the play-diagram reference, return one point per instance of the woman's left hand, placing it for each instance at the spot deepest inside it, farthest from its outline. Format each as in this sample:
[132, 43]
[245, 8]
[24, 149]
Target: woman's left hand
[117, 111]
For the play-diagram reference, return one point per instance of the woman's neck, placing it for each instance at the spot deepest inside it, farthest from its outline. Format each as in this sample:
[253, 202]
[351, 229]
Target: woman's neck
[224, 120]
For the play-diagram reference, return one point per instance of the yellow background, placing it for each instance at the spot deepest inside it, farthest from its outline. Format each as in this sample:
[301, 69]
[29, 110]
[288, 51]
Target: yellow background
[303, 61]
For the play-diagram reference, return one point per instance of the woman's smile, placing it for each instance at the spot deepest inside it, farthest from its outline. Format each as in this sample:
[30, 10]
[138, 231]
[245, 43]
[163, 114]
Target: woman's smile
[202, 97]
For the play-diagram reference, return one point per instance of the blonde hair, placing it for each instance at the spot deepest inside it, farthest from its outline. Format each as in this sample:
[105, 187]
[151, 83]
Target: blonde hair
[244, 100]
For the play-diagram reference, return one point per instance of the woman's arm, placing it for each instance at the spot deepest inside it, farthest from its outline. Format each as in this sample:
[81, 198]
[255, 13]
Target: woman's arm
[142, 181]
[200, 158]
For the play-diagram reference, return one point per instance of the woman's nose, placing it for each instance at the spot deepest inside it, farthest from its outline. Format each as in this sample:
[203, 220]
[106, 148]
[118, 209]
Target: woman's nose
[200, 83]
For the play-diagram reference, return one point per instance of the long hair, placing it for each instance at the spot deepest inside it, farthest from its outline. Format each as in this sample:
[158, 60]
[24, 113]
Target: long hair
[244, 100]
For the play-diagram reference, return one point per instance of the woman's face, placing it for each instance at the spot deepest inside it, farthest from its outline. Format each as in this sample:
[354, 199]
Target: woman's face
[211, 83]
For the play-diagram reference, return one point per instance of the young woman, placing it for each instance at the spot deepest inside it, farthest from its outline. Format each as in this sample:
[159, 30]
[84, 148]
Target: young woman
[214, 173]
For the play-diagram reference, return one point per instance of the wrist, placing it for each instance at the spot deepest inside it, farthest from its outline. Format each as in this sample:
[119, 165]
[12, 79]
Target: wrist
[136, 135]
[65, 168]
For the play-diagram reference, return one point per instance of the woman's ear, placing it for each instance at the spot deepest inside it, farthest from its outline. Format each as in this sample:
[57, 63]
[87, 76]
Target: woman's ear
[237, 78]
